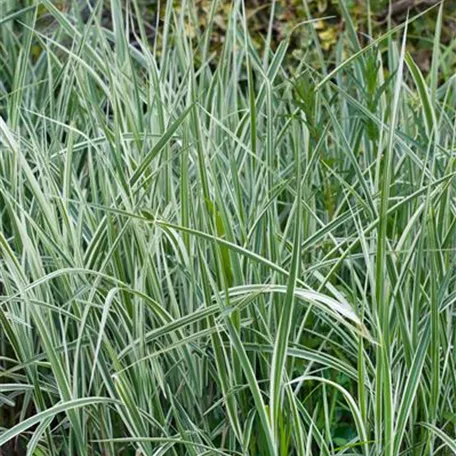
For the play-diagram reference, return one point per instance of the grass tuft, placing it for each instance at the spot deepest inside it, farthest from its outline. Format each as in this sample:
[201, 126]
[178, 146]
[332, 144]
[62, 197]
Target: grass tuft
[220, 254]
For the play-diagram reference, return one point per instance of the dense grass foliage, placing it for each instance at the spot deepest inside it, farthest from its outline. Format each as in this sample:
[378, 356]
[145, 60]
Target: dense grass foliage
[216, 255]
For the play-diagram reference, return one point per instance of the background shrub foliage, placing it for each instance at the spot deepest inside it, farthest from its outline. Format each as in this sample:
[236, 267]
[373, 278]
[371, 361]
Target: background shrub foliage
[223, 231]
[370, 18]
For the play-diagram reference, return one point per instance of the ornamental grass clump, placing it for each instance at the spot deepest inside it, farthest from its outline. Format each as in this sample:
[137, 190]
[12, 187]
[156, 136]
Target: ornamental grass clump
[217, 254]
